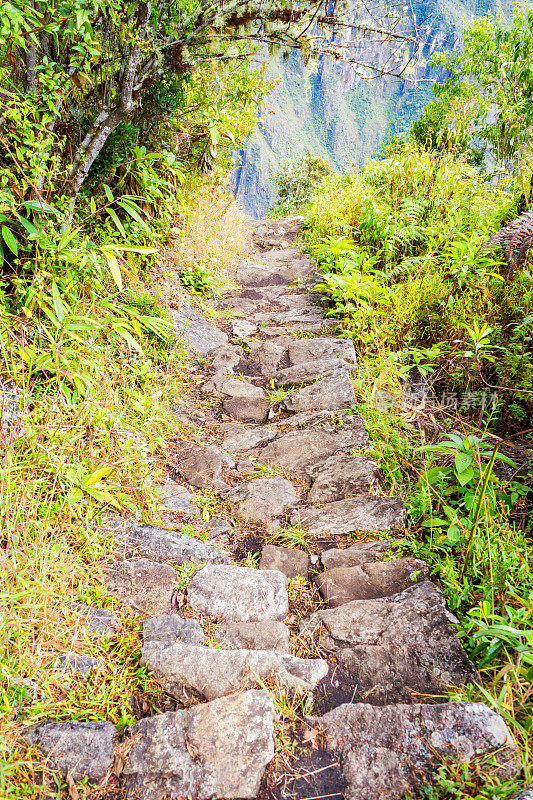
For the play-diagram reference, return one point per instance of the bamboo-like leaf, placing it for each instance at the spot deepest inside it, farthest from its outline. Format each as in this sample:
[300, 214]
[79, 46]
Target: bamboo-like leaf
[114, 267]
[97, 475]
[143, 250]
[108, 193]
[36, 205]
[113, 214]
[58, 305]
[129, 338]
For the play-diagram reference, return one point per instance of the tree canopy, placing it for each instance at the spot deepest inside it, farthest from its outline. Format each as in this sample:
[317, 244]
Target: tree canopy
[77, 69]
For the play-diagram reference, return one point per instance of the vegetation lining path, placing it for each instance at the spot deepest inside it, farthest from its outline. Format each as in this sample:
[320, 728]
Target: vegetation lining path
[325, 671]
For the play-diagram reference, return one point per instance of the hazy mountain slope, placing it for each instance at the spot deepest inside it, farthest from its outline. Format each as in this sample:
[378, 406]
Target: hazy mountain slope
[338, 116]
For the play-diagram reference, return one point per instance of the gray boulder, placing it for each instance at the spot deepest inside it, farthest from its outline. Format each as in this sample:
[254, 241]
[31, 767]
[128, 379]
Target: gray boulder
[77, 665]
[389, 751]
[215, 750]
[291, 562]
[195, 332]
[262, 499]
[177, 499]
[309, 371]
[164, 545]
[526, 794]
[297, 451]
[266, 635]
[163, 631]
[320, 347]
[83, 749]
[241, 400]
[185, 670]
[343, 476]
[270, 356]
[391, 649]
[248, 438]
[359, 553]
[366, 513]
[99, 621]
[329, 393]
[333, 421]
[226, 358]
[241, 328]
[200, 466]
[144, 585]
[239, 594]
[370, 580]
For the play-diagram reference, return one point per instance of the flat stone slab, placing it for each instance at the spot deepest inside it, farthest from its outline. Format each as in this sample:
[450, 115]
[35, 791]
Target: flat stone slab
[241, 400]
[352, 515]
[370, 580]
[215, 750]
[146, 586]
[333, 421]
[200, 466]
[389, 751]
[329, 393]
[248, 438]
[309, 371]
[186, 671]
[266, 635]
[84, 749]
[321, 347]
[271, 355]
[290, 561]
[241, 328]
[299, 450]
[257, 275]
[226, 358]
[196, 332]
[77, 665]
[177, 499]
[167, 629]
[262, 499]
[239, 594]
[360, 553]
[164, 545]
[343, 476]
[99, 621]
[391, 649]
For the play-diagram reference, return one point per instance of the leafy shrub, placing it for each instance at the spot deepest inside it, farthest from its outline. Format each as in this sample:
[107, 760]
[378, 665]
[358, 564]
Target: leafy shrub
[298, 179]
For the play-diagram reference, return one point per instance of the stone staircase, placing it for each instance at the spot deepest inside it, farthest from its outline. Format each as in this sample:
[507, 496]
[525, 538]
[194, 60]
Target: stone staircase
[369, 642]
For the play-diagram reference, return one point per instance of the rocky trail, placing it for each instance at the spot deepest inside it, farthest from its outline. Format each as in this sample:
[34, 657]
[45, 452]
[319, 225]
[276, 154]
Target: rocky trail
[321, 670]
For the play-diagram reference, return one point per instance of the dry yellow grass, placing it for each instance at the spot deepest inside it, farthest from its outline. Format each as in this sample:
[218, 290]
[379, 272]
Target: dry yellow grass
[215, 234]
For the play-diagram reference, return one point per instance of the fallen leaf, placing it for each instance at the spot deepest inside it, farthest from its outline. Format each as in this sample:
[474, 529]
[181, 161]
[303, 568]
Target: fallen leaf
[311, 735]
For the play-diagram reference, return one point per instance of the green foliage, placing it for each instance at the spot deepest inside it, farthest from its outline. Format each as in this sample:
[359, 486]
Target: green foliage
[197, 280]
[398, 242]
[297, 180]
[487, 101]
[403, 272]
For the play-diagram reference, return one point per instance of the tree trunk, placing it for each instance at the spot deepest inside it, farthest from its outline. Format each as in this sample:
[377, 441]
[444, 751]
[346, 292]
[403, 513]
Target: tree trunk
[109, 119]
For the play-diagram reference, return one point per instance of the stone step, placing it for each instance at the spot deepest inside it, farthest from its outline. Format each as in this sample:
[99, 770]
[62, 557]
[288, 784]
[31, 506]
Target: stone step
[389, 650]
[370, 580]
[160, 544]
[214, 750]
[188, 672]
[366, 513]
[386, 752]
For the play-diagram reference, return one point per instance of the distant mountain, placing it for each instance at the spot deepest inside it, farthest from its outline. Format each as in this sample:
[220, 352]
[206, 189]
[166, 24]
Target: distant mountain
[336, 114]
